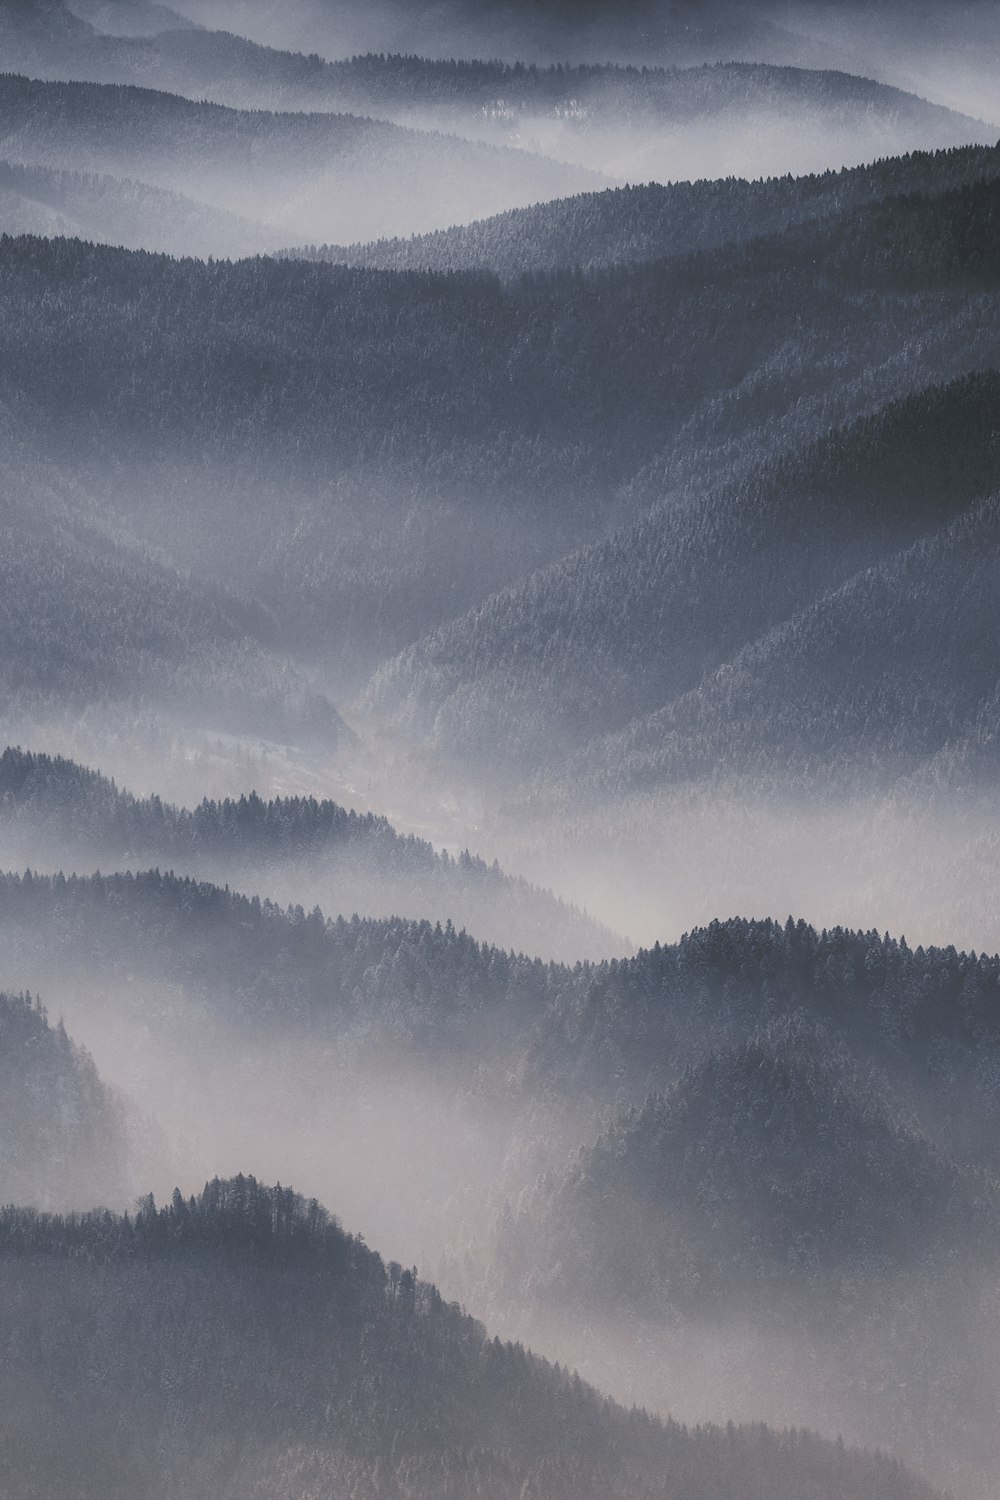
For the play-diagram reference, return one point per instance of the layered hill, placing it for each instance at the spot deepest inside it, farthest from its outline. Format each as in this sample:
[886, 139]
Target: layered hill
[766, 1178]
[630, 122]
[304, 176]
[626, 226]
[425, 1077]
[40, 200]
[299, 849]
[785, 617]
[324, 1368]
[512, 421]
[925, 1018]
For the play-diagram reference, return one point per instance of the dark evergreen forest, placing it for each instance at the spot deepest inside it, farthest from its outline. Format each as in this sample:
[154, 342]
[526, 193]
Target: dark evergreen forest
[499, 504]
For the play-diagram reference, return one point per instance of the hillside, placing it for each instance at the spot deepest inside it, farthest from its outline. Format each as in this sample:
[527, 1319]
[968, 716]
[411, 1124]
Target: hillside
[256, 973]
[66, 1141]
[424, 1078]
[626, 226]
[630, 122]
[324, 1369]
[809, 557]
[297, 849]
[763, 1179]
[39, 200]
[893, 668]
[91, 619]
[304, 176]
[638, 31]
[516, 421]
[775, 1226]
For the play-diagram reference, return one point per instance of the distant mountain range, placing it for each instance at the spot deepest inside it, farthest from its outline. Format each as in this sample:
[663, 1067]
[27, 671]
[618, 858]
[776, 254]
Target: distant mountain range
[631, 123]
[306, 176]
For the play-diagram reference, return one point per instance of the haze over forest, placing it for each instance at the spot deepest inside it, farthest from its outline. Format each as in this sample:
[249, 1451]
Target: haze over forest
[499, 739]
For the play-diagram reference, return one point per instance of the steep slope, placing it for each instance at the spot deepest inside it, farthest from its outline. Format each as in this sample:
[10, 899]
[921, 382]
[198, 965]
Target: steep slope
[303, 176]
[763, 1179]
[65, 1140]
[38, 200]
[296, 849]
[504, 420]
[890, 670]
[649, 615]
[90, 619]
[422, 1078]
[747, 120]
[258, 973]
[774, 1226]
[632, 122]
[326, 1371]
[623, 226]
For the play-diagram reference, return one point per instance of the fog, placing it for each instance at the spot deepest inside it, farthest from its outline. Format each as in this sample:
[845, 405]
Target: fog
[425, 1153]
[508, 750]
[945, 57]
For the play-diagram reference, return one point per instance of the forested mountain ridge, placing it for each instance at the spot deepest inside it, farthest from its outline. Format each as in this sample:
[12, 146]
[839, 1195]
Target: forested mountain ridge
[889, 42]
[893, 670]
[636, 499]
[927, 1018]
[299, 848]
[635, 122]
[118, 211]
[629, 225]
[65, 1139]
[520, 1043]
[666, 605]
[92, 619]
[768, 1176]
[302, 175]
[326, 1369]
[780, 1192]
[458, 403]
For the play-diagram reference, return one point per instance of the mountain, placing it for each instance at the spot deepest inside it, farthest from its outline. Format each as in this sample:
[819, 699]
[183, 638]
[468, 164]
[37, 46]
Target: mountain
[765, 1178]
[892, 668]
[39, 200]
[295, 848]
[321, 1368]
[319, 475]
[426, 1079]
[811, 557]
[774, 1223]
[636, 124]
[626, 226]
[902, 43]
[66, 1141]
[258, 977]
[92, 620]
[304, 176]
[628, 122]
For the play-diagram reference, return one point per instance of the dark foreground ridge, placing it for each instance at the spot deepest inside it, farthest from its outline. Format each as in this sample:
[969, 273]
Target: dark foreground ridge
[241, 1340]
